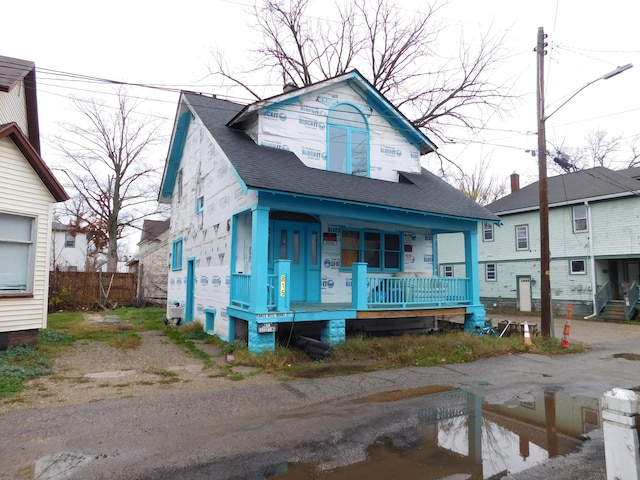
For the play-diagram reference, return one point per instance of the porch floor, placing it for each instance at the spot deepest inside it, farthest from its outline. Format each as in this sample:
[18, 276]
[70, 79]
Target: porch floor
[388, 311]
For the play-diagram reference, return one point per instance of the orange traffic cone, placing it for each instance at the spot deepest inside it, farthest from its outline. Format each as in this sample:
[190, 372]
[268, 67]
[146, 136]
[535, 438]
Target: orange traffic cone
[567, 327]
[527, 335]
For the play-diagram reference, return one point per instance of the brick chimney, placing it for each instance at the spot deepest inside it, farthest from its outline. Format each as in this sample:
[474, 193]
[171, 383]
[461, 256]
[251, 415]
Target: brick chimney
[515, 182]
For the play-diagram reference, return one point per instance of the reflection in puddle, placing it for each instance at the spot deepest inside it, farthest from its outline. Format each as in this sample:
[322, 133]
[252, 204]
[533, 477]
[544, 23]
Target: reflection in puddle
[460, 437]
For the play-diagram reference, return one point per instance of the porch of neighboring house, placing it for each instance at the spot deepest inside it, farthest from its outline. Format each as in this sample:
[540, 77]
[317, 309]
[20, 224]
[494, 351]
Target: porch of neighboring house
[374, 296]
[618, 298]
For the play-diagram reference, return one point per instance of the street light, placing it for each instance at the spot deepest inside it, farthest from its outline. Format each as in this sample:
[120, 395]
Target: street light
[545, 281]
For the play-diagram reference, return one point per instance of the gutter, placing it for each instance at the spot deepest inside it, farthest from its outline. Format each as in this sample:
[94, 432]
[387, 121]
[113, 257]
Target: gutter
[593, 264]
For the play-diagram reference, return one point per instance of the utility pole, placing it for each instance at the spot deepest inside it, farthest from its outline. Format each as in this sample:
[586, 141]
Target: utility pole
[545, 279]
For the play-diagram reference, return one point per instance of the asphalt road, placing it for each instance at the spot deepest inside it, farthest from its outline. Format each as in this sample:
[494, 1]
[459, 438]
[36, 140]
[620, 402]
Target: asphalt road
[238, 433]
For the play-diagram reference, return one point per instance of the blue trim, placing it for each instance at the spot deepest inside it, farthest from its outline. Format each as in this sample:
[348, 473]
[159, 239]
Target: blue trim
[190, 289]
[210, 320]
[376, 213]
[392, 114]
[175, 154]
[349, 131]
[176, 260]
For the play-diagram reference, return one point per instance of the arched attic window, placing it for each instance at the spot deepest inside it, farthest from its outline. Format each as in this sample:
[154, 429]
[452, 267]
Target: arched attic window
[348, 141]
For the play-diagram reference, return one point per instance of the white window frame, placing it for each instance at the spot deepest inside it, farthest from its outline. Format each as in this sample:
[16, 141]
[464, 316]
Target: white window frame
[69, 240]
[491, 272]
[487, 232]
[525, 229]
[7, 240]
[447, 271]
[580, 219]
[576, 271]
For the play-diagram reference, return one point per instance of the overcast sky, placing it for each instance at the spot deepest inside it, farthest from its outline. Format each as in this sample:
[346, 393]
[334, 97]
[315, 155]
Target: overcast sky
[168, 43]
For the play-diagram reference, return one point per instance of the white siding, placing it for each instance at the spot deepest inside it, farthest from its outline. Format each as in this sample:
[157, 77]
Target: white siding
[22, 192]
[13, 107]
[64, 257]
[206, 237]
[614, 231]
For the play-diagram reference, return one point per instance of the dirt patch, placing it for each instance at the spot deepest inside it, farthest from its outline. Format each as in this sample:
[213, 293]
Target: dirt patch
[91, 371]
[403, 394]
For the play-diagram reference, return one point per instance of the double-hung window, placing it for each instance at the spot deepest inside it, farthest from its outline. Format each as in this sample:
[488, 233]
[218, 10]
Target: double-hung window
[580, 223]
[487, 232]
[491, 272]
[69, 240]
[522, 237]
[348, 141]
[17, 254]
[380, 250]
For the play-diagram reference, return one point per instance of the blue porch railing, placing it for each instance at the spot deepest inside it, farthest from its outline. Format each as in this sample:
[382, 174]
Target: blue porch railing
[368, 291]
[421, 291]
[241, 290]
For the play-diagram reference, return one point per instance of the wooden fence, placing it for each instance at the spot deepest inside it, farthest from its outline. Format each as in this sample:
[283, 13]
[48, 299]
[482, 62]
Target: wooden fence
[92, 290]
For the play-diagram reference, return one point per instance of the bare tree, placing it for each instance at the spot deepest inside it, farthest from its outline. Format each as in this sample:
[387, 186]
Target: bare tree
[105, 165]
[600, 150]
[479, 184]
[395, 49]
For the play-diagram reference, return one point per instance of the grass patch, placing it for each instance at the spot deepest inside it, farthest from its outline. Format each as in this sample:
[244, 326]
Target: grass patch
[362, 354]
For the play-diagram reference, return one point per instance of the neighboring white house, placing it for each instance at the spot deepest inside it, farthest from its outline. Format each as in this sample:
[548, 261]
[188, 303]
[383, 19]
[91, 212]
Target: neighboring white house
[594, 243]
[28, 191]
[68, 251]
[310, 208]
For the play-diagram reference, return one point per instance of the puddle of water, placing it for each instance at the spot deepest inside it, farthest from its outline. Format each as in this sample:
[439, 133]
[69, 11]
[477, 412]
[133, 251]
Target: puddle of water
[464, 438]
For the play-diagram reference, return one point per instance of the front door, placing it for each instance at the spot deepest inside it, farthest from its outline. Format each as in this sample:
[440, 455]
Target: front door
[300, 243]
[524, 293]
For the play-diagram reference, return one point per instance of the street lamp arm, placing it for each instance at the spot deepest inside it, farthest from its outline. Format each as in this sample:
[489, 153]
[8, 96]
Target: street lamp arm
[606, 76]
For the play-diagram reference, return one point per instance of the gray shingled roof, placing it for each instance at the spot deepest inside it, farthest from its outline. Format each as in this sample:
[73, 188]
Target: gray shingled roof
[12, 70]
[593, 184]
[152, 229]
[267, 168]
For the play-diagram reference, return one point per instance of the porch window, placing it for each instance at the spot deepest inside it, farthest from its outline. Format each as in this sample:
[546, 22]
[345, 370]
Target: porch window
[17, 254]
[487, 232]
[522, 237]
[176, 255]
[491, 272]
[577, 267]
[347, 141]
[580, 223]
[447, 270]
[381, 251]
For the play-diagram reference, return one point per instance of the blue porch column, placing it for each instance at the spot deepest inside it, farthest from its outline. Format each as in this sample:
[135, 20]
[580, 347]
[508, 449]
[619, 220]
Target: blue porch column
[259, 258]
[359, 285]
[282, 269]
[475, 315]
[333, 332]
[260, 342]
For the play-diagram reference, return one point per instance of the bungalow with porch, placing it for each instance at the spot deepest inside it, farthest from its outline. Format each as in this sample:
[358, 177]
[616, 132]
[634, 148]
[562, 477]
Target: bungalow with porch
[310, 206]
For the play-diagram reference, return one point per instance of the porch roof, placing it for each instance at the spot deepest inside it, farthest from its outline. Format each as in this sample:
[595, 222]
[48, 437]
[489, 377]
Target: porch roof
[266, 168]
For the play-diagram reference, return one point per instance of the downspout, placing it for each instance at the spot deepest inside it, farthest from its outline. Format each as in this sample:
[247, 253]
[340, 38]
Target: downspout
[593, 264]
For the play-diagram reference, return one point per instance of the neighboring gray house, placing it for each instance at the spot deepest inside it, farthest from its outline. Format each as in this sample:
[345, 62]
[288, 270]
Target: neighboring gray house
[28, 191]
[152, 262]
[68, 251]
[594, 243]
